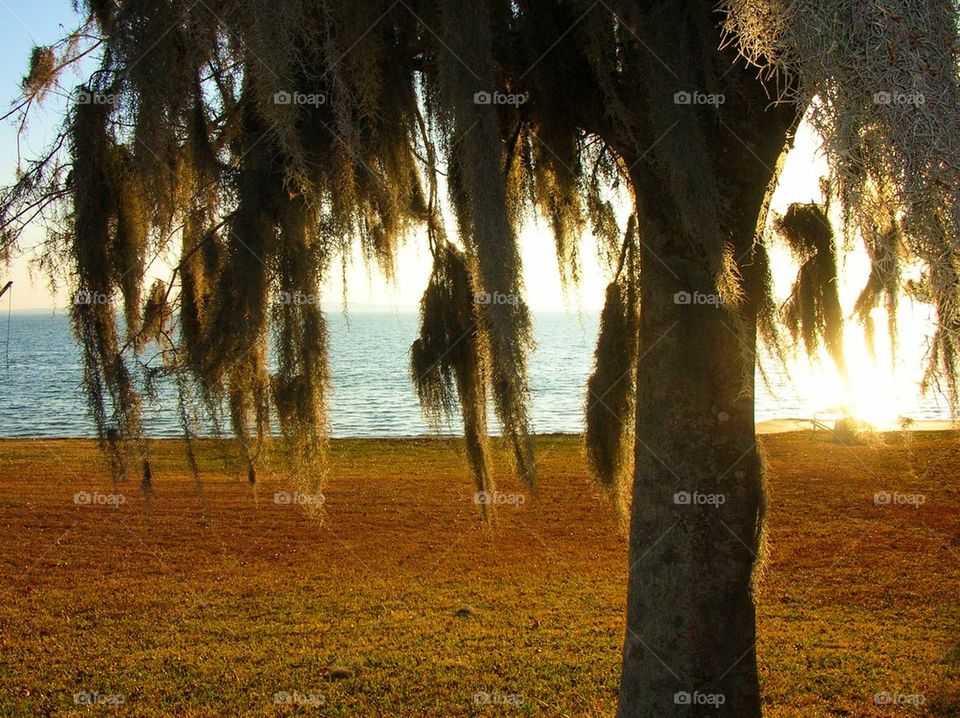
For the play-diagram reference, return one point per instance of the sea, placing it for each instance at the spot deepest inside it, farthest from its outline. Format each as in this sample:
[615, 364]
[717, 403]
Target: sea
[41, 394]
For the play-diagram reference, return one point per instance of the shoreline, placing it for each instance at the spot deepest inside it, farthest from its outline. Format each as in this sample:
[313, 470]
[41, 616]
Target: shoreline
[784, 426]
[763, 428]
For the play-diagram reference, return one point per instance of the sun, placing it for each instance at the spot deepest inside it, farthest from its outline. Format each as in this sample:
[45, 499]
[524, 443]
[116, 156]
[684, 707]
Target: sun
[873, 391]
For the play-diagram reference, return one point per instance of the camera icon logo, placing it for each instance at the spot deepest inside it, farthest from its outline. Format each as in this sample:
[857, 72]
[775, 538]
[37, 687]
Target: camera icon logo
[682, 698]
[85, 296]
[882, 98]
[683, 298]
[882, 498]
[282, 98]
[482, 98]
[482, 298]
[283, 498]
[682, 498]
[682, 98]
[85, 97]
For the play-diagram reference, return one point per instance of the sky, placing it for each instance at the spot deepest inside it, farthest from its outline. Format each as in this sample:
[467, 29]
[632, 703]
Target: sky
[26, 24]
[877, 389]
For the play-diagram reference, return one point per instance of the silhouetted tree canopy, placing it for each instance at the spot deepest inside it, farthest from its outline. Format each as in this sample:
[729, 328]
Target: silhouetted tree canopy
[262, 142]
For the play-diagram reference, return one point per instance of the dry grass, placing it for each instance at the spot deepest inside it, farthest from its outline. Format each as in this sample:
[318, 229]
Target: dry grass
[208, 606]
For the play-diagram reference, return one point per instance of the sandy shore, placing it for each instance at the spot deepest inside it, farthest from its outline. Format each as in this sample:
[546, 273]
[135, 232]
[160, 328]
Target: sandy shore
[781, 426]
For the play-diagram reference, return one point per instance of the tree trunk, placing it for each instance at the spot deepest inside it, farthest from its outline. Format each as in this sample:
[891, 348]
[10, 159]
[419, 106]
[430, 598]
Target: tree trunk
[697, 500]
[696, 512]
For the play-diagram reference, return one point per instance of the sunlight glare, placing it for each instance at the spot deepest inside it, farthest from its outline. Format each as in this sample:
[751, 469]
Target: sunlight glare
[873, 392]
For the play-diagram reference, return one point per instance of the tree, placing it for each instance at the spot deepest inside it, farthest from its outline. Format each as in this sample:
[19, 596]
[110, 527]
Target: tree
[263, 139]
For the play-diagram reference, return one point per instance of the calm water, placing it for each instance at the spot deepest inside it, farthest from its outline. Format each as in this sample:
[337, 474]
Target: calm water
[41, 394]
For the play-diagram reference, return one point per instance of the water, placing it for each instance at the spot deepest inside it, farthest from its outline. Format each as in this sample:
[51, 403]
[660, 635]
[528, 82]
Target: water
[41, 393]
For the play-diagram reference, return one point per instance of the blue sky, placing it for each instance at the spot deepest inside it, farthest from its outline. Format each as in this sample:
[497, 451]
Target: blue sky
[24, 25]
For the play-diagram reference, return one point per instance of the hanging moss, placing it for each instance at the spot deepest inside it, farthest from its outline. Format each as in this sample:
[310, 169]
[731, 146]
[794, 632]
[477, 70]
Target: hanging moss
[448, 364]
[42, 73]
[260, 142]
[157, 314]
[611, 388]
[129, 243]
[883, 284]
[812, 312]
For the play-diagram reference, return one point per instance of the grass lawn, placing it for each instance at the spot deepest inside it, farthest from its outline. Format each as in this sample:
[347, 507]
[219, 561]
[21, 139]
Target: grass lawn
[222, 602]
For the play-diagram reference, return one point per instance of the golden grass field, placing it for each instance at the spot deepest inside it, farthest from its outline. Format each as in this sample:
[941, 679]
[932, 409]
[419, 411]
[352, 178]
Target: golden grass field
[212, 603]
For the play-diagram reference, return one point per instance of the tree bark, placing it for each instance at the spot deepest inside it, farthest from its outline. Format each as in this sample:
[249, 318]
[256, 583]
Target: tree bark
[696, 513]
[697, 500]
